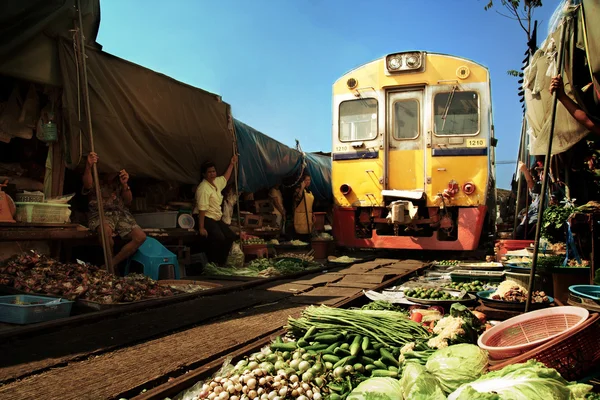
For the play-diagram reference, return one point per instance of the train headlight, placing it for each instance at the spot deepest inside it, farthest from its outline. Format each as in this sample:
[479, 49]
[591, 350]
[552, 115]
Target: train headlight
[405, 62]
[394, 63]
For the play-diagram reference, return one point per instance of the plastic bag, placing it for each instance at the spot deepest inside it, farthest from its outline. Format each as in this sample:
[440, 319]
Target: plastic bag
[236, 257]
[193, 392]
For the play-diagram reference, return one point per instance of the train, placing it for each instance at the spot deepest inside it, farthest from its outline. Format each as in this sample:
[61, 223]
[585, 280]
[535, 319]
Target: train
[413, 153]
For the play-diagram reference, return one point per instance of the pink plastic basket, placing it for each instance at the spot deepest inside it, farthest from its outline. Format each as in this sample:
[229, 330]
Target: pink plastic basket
[519, 334]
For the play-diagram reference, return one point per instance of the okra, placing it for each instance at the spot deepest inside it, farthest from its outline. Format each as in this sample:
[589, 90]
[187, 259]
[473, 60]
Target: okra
[384, 373]
[289, 346]
[310, 332]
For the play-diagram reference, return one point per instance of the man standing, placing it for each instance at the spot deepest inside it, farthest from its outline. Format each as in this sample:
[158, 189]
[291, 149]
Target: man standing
[116, 196]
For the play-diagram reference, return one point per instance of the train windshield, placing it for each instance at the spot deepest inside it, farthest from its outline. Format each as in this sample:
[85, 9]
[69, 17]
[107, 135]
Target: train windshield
[456, 113]
[358, 120]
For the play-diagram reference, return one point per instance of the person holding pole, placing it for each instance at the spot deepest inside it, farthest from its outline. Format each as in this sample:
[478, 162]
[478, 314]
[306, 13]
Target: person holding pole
[116, 196]
[208, 210]
[573, 108]
[303, 214]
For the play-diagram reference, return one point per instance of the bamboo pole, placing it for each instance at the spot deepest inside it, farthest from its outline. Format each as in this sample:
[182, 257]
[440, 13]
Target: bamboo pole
[105, 244]
[235, 172]
[547, 161]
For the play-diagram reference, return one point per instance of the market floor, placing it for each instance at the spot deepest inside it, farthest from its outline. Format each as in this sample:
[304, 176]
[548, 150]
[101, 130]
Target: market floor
[113, 373]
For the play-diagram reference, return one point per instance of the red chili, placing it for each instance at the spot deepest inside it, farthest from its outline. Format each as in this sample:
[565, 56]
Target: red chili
[417, 317]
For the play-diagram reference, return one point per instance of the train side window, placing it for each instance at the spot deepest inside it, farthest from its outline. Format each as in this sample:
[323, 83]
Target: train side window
[358, 120]
[406, 119]
[456, 113]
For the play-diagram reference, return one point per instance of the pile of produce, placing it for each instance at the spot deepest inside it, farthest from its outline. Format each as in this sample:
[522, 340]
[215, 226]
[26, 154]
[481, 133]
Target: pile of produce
[301, 256]
[512, 291]
[429, 294]
[343, 259]
[460, 326]
[475, 286]
[253, 241]
[378, 354]
[447, 263]
[34, 273]
[261, 267]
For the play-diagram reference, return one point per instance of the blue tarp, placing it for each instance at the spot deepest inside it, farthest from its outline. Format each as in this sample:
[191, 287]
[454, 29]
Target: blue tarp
[265, 162]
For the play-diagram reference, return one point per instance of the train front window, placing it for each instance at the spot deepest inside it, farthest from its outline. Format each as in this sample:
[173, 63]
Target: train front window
[406, 119]
[358, 120]
[456, 113]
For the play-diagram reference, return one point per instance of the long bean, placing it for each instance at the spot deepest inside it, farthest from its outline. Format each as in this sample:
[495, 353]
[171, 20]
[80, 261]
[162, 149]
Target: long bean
[390, 328]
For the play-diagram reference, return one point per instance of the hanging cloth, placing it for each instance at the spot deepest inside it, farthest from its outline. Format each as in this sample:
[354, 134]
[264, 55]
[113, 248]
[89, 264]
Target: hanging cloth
[303, 215]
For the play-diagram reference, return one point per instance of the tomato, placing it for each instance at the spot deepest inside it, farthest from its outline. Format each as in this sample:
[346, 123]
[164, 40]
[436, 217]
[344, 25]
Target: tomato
[417, 317]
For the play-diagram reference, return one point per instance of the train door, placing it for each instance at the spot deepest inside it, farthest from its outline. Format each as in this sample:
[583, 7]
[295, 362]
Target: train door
[406, 161]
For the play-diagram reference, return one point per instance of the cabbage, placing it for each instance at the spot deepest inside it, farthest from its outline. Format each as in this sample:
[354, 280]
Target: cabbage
[528, 381]
[456, 365]
[419, 384]
[377, 389]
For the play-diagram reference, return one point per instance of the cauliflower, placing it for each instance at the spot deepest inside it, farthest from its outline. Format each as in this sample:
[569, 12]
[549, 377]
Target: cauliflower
[447, 328]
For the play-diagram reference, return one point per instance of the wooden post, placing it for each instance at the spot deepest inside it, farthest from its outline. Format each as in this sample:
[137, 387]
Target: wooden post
[235, 176]
[547, 161]
[105, 243]
[522, 152]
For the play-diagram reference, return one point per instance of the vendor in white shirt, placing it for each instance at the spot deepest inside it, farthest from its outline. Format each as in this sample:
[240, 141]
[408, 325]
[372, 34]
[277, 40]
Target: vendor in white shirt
[208, 210]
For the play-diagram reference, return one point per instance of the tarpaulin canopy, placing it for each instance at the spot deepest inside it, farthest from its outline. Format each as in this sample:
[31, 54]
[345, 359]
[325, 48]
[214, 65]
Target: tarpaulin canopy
[265, 162]
[567, 131]
[143, 121]
[28, 32]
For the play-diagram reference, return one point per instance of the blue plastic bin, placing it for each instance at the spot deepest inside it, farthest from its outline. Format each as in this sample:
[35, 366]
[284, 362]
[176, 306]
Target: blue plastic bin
[39, 311]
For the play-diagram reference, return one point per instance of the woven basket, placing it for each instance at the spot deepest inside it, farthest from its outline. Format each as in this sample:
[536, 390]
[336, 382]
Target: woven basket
[573, 354]
[520, 334]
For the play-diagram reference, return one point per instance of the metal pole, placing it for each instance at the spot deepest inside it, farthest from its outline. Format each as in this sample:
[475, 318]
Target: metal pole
[235, 177]
[520, 184]
[105, 245]
[547, 160]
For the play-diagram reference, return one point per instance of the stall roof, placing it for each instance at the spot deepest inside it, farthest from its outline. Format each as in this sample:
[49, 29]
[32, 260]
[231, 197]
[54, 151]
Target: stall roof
[266, 162]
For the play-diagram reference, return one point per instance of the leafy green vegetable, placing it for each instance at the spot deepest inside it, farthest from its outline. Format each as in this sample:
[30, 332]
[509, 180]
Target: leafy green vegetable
[382, 305]
[471, 324]
[555, 217]
[456, 365]
[377, 389]
[528, 381]
[417, 383]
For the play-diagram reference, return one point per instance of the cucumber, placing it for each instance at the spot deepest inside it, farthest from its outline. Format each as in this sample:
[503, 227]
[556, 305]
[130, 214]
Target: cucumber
[371, 353]
[331, 348]
[310, 332]
[388, 358]
[366, 360]
[355, 346]
[365, 343]
[393, 369]
[370, 367]
[378, 345]
[380, 364]
[384, 373]
[344, 361]
[317, 346]
[341, 352]
[289, 346]
[345, 346]
[278, 339]
[328, 338]
[302, 342]
[331, 358]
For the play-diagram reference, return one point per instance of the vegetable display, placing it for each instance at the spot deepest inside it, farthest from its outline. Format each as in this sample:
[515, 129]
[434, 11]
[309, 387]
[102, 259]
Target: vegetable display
[475, 286]
[34, 273]
[528, 381]
[253, 241]
[429, 294]
[456, 365]
[418, 383]
[388, 328]
[461, 326]
[448, 263]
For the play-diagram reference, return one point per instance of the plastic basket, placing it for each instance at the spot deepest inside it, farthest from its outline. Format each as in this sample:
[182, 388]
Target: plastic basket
[32, 313]
[573, 354]
[520, 334]
[46, 213]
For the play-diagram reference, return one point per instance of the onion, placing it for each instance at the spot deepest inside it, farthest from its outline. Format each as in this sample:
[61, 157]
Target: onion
[307, 377]
[272, 395]
[295, 363]
[253, 365]
[296, 355]
[238, 387]
[212, 396]
[252, 394]
[294, 378]
[349, 369]
[302, 398]
[303, 366]
[283, 391]
[309, 394]
[295, 393]
[224, 396]
[338, 372]
[218, 389]
[234, 398]
[251, 383]
[317, 396]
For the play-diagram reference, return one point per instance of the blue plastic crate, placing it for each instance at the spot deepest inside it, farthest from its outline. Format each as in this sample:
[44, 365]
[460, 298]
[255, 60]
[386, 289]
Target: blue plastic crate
[28, 309]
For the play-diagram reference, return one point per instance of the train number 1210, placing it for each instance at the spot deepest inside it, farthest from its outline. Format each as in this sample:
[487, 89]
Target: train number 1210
[475, 142]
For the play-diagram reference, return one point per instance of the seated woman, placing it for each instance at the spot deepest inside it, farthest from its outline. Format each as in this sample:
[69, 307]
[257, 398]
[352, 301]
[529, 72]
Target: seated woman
[208, 209]
[303, 214]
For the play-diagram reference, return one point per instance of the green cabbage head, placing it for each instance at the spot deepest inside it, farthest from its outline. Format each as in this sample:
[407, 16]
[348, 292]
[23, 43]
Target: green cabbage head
[456, 365]
[377, 389]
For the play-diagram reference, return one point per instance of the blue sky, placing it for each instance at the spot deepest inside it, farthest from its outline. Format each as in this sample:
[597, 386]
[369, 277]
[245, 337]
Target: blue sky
[275, 61]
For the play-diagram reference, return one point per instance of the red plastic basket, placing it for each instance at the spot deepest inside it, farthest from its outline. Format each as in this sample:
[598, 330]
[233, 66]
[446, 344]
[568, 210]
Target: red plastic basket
[573, 354]
[520, 334]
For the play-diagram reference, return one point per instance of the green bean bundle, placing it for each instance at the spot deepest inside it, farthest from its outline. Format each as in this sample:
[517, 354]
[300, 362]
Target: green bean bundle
[389, 328]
